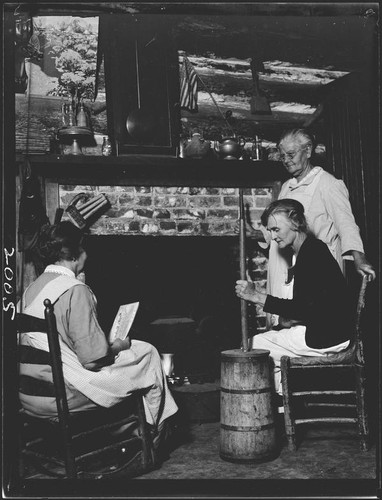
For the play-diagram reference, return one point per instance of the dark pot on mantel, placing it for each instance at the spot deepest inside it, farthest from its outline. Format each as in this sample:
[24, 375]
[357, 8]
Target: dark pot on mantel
[230, 147]
[196, 147]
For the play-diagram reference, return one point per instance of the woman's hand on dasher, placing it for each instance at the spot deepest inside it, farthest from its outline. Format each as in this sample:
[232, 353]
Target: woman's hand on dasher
[246, 290]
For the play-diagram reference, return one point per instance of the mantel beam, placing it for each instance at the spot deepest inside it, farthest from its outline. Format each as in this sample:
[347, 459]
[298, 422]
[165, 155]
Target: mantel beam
[156, 171]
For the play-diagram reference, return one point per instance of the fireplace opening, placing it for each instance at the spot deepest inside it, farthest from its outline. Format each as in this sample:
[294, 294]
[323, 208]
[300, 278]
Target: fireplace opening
[185, 287]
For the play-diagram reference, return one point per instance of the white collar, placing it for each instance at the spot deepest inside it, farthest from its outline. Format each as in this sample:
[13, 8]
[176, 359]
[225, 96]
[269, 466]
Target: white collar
[54, 268]
[306, 180]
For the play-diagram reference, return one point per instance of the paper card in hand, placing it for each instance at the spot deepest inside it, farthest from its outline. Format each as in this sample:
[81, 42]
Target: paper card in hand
[123, 321]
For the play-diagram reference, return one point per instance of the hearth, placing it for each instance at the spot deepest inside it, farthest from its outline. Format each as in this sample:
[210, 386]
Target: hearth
[185, 286]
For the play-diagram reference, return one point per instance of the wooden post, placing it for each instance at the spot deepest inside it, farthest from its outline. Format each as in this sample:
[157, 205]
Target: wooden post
[243, 274]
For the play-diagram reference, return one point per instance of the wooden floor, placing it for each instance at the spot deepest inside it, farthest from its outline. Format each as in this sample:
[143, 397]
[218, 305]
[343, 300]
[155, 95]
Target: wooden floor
[328, 457]
[325, 453]
[328, 461]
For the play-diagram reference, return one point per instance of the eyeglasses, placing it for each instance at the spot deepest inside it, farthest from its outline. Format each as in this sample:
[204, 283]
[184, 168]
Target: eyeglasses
[290, 155]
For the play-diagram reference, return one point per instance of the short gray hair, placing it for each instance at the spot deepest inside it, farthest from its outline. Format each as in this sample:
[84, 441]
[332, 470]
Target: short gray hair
[299, 135]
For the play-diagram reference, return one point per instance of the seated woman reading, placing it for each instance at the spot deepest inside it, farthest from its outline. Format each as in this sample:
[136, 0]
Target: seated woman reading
[96, 373]
[317, 320]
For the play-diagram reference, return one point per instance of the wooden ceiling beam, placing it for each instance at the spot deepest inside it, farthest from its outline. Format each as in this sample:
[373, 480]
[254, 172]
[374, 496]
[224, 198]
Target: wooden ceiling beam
[281, 81]
[345, 44]
[204, 7]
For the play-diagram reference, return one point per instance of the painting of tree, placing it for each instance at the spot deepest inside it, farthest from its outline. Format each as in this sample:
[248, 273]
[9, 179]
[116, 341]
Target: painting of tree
[66, 70]
[73, 45]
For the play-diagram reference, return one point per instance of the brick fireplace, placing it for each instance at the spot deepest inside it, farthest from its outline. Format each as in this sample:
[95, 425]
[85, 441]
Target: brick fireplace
[174, 250]
[167, 240]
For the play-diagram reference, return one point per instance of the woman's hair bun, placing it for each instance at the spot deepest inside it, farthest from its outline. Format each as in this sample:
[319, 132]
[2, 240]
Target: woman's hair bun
[292, 209]
[62, 241]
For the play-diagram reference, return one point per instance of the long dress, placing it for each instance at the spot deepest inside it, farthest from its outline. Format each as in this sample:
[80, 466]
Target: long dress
[330, 219]
[82, 341]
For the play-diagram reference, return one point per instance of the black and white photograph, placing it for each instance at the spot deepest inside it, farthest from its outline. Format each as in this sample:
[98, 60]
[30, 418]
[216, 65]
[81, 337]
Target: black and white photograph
[191, 250]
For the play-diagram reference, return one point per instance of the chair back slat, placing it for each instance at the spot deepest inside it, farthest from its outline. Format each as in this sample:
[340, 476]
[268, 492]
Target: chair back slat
[27, 323]
[31, 355]
[34, 387]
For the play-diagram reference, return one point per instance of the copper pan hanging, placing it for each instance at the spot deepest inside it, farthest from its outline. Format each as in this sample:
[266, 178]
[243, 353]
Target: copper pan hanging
[141, 121]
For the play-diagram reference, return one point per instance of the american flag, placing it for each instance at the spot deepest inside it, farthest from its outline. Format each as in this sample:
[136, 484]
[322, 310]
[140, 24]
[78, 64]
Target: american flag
[188, 87]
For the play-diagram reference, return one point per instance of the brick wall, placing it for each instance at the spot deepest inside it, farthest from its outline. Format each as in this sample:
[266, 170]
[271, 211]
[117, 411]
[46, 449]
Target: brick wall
[181, 212]
[171, 211]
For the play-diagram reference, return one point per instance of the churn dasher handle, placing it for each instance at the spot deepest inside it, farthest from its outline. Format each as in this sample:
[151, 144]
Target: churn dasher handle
[243, 274]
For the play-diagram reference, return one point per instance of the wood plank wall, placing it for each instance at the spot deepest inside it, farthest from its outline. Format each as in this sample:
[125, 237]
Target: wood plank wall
[350, 126]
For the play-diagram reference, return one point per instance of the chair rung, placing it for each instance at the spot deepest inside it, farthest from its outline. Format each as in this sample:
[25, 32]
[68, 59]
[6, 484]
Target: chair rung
[331, 405]
[94, 430]
[42, 456]
[319, 393]
[337, 420]
[321, 365]
[113, 446]
[34, 441]
[79, 457]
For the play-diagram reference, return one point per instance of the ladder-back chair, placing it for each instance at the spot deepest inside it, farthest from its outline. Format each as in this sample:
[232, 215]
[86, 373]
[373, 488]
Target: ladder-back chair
[299, 403]
[88, 444]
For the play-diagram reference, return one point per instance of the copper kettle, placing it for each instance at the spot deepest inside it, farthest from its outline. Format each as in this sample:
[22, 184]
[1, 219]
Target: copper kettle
[230, 147]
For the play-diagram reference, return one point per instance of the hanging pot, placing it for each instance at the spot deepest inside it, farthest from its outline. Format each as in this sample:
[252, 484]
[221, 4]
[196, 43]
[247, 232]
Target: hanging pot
[140, 122]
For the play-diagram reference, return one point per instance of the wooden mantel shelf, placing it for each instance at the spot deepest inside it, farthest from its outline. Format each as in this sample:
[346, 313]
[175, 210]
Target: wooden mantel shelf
[155, 171]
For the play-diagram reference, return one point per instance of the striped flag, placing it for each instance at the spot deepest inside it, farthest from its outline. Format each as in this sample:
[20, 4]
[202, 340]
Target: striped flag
[188, 87]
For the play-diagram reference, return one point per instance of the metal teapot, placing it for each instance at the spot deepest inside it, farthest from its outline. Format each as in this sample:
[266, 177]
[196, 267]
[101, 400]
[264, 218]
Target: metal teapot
[230, 148]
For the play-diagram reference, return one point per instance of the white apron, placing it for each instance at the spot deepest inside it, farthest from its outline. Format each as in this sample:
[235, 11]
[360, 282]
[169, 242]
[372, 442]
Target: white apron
[136, 368]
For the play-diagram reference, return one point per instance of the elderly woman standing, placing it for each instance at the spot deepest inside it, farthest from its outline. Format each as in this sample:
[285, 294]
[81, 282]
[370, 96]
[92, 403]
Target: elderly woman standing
[97, 373]
[316, 320]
